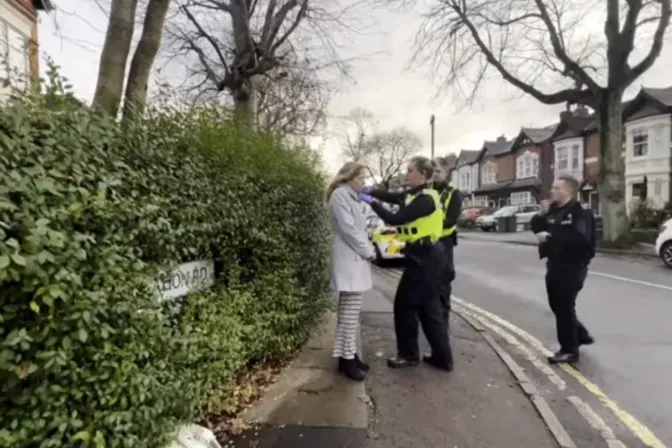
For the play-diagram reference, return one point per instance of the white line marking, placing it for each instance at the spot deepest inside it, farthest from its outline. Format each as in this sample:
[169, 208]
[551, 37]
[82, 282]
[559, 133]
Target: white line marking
[543, 367]
[596, 422]
[632, 280]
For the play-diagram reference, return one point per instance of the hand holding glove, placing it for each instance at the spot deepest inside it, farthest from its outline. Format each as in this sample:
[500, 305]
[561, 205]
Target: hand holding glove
[366, 198]
[366, 189]
[542, 236]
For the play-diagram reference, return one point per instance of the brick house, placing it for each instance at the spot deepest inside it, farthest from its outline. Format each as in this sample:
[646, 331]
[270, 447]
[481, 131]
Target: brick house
[591, 168]
[576, 148]
[466, 173]
[19, 39]
[648, 146]
[533, 157]
[496, 172]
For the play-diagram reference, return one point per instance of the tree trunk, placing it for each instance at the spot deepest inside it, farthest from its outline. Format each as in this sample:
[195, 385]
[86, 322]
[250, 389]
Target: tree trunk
[611, 186]
[112, 66]
[246, 104]
[144, 56]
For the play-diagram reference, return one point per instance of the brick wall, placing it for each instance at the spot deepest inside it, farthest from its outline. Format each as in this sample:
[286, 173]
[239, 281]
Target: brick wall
[506, 167]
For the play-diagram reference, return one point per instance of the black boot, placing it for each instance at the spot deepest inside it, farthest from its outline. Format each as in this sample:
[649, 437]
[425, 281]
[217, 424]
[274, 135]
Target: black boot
[361, 365]
[349, 368]
[397, 362]
[437, 363]
[564, 358]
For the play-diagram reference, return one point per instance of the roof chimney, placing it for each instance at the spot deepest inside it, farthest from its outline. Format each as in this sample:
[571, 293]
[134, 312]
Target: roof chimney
[501, 139]
[581, 111]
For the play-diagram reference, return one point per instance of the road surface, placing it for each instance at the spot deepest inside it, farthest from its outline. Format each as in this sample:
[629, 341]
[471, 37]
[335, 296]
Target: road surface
[627, 306]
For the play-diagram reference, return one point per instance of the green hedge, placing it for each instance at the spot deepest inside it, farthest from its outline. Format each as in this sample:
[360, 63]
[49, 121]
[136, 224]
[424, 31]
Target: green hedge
[89, 210]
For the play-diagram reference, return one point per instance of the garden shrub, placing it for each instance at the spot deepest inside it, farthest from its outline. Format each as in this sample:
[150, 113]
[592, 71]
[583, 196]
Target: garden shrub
[644, 215]
[91, 209]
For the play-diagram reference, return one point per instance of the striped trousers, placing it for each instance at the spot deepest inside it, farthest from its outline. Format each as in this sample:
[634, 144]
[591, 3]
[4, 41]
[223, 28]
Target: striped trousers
[345, 340]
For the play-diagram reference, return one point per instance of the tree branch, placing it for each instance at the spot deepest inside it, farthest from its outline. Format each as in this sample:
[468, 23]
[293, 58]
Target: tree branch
[656, 46]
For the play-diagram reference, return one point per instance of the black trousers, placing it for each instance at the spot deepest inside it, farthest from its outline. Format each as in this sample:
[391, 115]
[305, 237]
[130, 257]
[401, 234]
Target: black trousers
[563, 285]
[418, 299]
[447, 277]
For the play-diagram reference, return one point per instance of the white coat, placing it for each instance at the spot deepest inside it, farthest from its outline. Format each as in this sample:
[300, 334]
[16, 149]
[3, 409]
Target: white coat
[350, 269]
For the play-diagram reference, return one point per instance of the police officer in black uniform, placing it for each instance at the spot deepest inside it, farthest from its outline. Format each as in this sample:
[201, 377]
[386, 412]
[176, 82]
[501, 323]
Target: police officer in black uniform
[419, 221]
[566, 235]
[451, 203]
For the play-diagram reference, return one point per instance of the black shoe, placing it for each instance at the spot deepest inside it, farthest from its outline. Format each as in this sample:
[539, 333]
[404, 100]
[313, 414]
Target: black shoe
[438, 364]
[397, 362]
[564, 358]
[587, 341]
[361, 365]
[349, 368]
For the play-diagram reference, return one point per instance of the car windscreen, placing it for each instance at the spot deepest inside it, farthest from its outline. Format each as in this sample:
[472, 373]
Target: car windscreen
[505, 211]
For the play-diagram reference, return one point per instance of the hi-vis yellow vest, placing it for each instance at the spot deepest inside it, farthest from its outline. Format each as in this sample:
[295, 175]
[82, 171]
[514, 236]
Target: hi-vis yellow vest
[429, 226]
[446, 205]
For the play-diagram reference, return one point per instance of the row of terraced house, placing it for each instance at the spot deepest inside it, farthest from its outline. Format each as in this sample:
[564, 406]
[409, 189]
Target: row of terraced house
[520, 170]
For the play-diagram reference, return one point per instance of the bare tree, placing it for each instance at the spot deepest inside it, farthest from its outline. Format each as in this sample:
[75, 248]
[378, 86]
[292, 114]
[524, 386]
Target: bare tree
[541, 48]
[292, 101]
[123, 16]
[112, 67]
[236, 42]
[384, 153]
[144, 57]
[354, 133]
[389, 152]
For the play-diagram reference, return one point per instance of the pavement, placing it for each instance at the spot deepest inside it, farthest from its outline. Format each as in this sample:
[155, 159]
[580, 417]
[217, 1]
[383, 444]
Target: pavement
[502, 393]
[482, 404]
[626, 304]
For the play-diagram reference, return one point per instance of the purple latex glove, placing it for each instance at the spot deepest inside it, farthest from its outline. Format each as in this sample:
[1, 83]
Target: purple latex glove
[366, 198]
[366, 189]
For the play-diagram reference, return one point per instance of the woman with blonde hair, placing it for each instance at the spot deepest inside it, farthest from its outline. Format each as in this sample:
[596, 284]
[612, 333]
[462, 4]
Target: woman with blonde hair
[350, 269]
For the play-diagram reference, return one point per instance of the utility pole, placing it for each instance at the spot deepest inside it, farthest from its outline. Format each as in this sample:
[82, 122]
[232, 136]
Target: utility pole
[431, 124]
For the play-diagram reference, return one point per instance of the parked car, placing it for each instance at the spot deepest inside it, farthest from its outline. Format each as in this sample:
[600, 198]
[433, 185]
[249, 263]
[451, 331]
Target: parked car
[488, 223]
[473, 213]
[664, 243]
[384, 239]
[523, 213]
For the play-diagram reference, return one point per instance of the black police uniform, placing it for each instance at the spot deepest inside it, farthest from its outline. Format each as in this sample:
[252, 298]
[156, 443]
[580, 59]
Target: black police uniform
[417, 295]
[568, 250]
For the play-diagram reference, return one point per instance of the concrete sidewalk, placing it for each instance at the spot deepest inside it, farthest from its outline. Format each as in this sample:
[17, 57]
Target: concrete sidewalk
[527, 238]
[479, 405]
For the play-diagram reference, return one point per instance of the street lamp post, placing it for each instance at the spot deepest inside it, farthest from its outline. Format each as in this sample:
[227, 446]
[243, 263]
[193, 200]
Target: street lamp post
[431, 124]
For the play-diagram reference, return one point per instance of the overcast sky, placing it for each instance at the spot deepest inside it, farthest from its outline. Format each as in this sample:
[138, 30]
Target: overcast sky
[74, 35]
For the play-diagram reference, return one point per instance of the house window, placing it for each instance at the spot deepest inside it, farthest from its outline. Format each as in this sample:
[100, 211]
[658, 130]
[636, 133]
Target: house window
[575, 157]
[639, 191]
[14, 60]
[640, 143]
[489, 173]
[466, 184]
[521, 197]
[527, 165]
[563, 159]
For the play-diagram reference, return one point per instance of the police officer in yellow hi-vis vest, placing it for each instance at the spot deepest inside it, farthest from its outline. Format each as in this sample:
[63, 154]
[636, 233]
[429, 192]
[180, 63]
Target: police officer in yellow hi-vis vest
[451, 203]
[419, 223]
